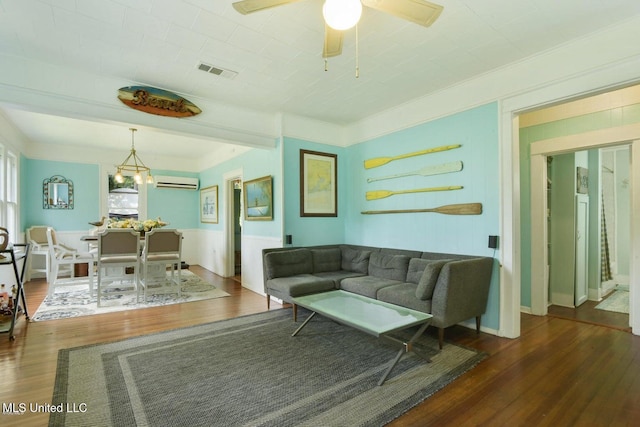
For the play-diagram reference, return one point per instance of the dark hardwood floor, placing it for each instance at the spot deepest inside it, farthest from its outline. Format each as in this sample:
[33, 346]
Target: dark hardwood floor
[560, 372]
[587, 313]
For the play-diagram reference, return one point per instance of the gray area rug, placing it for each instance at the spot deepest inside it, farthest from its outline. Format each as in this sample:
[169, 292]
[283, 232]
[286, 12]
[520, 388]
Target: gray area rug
[72, 299]
[249, 371]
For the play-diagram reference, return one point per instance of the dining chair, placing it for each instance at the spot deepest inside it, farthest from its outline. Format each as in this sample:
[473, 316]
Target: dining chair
[37, 236]
[63, 260]
[163, 247]
[117, 250]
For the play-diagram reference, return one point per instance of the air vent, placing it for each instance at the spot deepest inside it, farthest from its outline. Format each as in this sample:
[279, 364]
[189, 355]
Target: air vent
[217, 71]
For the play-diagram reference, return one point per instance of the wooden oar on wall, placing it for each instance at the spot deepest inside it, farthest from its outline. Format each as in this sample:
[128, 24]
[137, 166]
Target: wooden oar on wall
[458, 209]
[381, 194]
[426, 171]
[379, 161]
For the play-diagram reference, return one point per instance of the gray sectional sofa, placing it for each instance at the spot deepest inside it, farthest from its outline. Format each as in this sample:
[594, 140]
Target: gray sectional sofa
[452, 288]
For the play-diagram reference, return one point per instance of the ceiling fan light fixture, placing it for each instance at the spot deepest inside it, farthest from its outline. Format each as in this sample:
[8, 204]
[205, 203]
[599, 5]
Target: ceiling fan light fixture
[342, 14]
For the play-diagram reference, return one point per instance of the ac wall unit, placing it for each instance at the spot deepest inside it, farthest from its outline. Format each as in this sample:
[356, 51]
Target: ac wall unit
[175, 182]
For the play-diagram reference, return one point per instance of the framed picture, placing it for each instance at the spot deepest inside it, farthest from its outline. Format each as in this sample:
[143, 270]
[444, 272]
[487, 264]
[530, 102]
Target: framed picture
[258, 199]
[209, 204]
[582, 180]
[318, 184]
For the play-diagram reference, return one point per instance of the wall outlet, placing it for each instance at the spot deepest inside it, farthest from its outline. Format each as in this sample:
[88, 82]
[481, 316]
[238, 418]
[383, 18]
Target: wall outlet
[493, 242]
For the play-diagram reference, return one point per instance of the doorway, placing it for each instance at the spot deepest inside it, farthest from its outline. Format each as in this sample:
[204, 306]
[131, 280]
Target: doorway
[581, 286]
[539, 250]
[568, 227]
[232, 217]
[237, 227]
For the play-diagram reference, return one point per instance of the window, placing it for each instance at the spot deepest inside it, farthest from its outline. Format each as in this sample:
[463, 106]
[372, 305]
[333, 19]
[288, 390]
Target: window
[9, 192]
[12, 195]
[3, 204]
[123, 199]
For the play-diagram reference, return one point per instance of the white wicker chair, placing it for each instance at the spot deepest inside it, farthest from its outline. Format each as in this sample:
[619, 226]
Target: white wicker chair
[63, 260]
[37, 237]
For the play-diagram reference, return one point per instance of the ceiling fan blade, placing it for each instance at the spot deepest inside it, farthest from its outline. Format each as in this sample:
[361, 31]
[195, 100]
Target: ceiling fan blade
[420, 12]
[332, 42]
[249, 6]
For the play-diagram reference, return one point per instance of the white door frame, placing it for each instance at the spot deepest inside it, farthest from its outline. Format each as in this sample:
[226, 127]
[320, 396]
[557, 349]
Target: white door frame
[582, 238]
[585, 141]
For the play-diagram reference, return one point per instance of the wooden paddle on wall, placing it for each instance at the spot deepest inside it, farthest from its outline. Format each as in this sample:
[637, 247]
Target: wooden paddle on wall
[379, 161]
[458, 209]
[381, 194]
[425, 171]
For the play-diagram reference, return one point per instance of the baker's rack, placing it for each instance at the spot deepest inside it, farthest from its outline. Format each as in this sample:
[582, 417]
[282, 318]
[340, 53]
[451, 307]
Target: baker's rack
[11, 256]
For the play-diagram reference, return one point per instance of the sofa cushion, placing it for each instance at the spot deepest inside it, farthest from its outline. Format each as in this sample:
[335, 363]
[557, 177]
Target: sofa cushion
[326, 259]
[355, 260]
[387, 266]
[404, 294]
[338, 276]
[366, 285]
[427, 283]
[288, 263]
[301, 284]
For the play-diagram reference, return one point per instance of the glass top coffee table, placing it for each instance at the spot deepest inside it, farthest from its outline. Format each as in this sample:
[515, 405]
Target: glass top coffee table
[368, 315]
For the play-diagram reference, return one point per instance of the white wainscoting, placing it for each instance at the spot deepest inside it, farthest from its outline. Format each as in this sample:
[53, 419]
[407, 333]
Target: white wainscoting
[213, 256]
[210, 250]
[190, 239]
[205, 248]
[252, 247]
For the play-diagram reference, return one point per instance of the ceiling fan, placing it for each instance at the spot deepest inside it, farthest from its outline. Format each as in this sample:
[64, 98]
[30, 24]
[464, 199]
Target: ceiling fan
[420, 12]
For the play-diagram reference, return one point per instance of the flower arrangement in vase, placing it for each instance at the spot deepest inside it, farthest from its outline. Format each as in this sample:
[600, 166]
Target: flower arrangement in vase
[139, 226]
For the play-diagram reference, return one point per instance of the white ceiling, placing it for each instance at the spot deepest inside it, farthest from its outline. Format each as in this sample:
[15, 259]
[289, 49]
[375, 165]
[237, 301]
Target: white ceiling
[277, 53]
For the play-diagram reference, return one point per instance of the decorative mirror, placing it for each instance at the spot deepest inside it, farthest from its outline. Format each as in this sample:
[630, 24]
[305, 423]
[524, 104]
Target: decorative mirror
[57, 193]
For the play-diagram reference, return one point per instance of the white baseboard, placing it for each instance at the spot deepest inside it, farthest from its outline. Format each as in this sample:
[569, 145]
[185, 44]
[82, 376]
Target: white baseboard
[563, 300]
[525, 310]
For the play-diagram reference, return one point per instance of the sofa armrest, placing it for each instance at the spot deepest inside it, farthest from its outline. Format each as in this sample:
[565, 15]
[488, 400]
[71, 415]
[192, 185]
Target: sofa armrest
[288, 263]
[462, 291]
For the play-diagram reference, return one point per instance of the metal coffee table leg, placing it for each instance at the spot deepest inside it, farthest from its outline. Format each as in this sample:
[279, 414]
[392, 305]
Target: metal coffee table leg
[407, 347]
[303, 324]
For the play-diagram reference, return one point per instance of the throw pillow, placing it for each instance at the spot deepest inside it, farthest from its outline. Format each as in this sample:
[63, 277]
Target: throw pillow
[427, 283]
[416, 268]
[355, 260]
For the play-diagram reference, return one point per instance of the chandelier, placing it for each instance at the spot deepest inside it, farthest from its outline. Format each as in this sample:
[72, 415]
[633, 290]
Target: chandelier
[133, 164]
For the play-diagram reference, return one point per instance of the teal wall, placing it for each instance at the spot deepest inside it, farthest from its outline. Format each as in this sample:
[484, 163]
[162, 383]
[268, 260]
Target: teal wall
[477, 131]
[85, 179]
[174, 205]
[254, 164]
[307, 231]
[615, 117]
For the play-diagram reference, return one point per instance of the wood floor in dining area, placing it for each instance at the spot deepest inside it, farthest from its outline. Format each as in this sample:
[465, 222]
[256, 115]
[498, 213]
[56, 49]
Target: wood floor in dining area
[560, 372]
